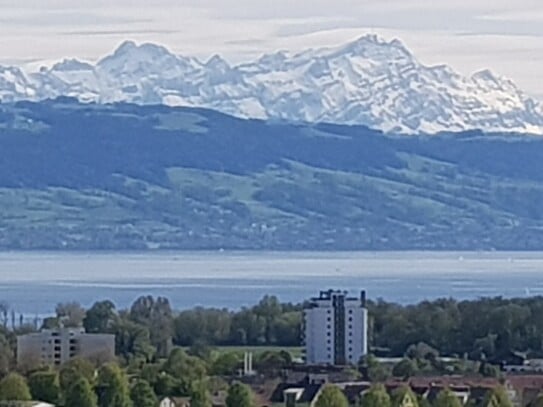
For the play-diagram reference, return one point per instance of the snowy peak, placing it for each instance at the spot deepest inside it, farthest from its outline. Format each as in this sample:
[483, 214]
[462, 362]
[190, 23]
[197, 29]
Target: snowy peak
[14, 85]
[374, 47]
[67, 65]
[369, 81]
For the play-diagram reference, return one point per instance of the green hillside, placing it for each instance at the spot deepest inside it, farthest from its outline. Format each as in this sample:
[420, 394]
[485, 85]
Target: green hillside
[78, 176]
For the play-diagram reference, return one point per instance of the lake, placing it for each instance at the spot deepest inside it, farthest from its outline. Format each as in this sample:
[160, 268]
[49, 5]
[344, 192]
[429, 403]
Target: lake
[33, 283]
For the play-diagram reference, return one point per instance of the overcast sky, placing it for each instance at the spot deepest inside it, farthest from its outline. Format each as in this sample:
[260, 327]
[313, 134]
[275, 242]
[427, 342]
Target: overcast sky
[503, 35]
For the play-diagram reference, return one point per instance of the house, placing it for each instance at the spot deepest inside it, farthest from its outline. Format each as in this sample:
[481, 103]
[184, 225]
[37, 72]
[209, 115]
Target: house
[175, 402]
[525, 387]
[292, 394]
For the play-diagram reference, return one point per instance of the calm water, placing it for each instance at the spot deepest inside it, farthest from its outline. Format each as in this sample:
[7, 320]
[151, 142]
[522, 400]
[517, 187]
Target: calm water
[32, 283]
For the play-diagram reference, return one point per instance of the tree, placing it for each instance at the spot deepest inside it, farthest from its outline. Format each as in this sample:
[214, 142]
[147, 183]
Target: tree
[45, 386]
[239, 395]
[376, 396]
[332, 396]
[71, 314]
[227, 363]
[447, 398]
[100, 317]
[158, 317]
[488, 370]
[80, 394]
[422, 351]
[14, 388]
[73, 370]
[4, 310]
[187, 369]
[132, 340]
[166, 385]
[6, 355]
[112, 387]
[405, 369]
[142, 395]
[404, 396]
[271, 362]
[248, 328]
[497, 397]
[199, 395]
[50, 323]
[373, 370]
[211, 326]
[269, 309]
[538, 402]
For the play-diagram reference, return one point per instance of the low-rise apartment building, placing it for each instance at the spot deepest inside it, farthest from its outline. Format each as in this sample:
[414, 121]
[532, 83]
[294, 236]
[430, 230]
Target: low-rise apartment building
[57, 346]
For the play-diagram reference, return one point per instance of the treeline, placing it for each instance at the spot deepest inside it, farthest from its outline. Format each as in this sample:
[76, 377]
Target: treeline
[80, 383]
[150, 327]
[481, 329]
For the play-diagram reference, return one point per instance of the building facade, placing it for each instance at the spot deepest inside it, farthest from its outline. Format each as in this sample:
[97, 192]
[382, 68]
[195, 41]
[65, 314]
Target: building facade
[57, 346]
[335, 329]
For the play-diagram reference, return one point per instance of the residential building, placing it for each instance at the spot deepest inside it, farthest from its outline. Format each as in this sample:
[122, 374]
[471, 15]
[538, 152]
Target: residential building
[57, 346]
[175, 402]
[335, 329]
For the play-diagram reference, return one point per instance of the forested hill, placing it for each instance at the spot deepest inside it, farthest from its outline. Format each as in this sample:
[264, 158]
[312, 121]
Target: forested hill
[76, 176]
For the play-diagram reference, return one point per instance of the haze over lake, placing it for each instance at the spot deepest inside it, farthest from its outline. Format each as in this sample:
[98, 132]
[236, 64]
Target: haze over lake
[33, 283]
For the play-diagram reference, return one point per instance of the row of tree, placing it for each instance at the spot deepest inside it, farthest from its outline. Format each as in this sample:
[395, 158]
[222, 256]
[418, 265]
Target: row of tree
[80, 384]
[377, 396]
[483, 329]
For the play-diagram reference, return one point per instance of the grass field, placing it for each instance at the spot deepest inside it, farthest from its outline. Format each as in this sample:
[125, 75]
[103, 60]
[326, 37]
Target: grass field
[295, 351]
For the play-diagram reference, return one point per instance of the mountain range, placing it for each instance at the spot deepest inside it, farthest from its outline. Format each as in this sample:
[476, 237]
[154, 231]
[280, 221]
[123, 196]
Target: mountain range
[370, 81]
[125, 176]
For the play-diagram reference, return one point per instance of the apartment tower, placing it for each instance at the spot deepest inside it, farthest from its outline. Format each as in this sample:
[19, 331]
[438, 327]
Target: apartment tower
[335, 329]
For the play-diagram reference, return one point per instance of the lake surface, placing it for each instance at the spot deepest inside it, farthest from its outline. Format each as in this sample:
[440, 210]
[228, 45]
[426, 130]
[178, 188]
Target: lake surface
[33, 283]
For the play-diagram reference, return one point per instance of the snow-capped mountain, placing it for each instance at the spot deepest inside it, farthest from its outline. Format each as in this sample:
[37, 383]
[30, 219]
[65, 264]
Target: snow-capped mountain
[369, 81]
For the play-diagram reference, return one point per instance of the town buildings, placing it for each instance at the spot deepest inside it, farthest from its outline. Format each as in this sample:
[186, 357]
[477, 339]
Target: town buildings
[57, 346]
[335, 329]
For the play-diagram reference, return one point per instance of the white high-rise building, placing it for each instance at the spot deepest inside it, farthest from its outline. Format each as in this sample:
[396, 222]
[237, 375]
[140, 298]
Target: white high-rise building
[336, 329]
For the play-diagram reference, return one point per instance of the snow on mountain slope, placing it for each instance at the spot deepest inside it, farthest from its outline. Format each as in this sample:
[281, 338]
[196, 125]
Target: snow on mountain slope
[369, 81]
